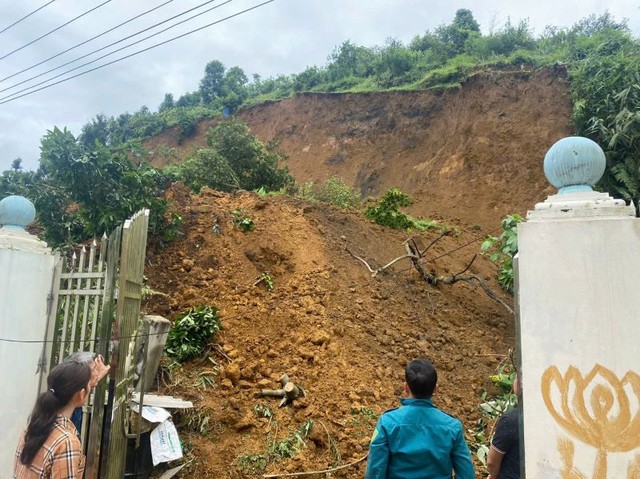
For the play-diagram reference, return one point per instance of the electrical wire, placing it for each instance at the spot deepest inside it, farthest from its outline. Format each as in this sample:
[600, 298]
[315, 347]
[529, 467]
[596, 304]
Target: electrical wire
[113, 51]
[26, 16]
[54, 30]
[86, 41]
[8, 98]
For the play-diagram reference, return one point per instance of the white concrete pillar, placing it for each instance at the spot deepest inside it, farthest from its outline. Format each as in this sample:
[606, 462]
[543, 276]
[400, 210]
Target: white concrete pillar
[26, 272]
[579, 325]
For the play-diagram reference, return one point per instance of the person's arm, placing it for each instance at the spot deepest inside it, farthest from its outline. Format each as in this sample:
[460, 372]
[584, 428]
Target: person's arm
[461, 457]
[378, 453]
[494, 461]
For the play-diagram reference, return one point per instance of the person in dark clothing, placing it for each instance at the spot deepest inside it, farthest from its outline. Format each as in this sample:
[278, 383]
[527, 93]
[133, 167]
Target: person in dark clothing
[503, 461]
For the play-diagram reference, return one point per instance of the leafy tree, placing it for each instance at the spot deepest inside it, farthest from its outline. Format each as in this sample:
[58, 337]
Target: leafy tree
[505, 41]
[96, 131]
[459, 31]
[256, 165]
[234, 91]
[189, 99]
[393, 63]
[350, 60]
[235, 159]
[16, 165]
[212, 83]
[167, 103]
[102, 185]
[310, 78]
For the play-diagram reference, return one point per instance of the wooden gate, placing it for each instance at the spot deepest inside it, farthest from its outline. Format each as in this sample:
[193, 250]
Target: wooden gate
[89, 313]
[131, 277]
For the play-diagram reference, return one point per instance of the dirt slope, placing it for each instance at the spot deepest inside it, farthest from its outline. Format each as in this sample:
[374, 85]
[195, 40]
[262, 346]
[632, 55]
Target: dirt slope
[473, 153]
[340, 333]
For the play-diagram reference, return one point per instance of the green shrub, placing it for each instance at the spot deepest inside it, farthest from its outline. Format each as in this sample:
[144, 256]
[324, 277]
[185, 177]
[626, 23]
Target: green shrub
[387, 211]
[336, 191]
[191, 332]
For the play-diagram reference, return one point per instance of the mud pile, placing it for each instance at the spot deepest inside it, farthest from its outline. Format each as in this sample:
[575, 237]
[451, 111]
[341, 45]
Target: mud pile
[336, 331]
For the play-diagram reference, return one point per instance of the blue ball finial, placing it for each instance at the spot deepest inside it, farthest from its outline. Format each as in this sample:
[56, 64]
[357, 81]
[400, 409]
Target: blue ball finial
[574, 164]
[16, 212]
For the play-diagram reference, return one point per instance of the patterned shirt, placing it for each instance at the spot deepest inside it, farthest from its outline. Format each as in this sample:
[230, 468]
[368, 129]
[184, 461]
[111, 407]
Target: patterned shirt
[60, 457]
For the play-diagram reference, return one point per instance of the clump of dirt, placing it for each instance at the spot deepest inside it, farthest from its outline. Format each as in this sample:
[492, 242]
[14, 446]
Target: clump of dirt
[473, 153]
[336, 331]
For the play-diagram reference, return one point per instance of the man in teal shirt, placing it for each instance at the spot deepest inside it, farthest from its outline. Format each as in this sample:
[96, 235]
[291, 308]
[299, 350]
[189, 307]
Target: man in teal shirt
[417, 440]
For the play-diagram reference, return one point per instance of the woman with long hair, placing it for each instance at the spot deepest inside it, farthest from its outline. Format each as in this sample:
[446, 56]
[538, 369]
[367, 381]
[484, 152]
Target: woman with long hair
[50, 447]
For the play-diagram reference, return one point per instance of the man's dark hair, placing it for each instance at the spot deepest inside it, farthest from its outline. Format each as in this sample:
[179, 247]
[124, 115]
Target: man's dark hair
[421, 377]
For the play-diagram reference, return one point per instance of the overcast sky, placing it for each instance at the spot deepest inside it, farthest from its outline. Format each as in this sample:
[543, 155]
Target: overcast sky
[281, 37]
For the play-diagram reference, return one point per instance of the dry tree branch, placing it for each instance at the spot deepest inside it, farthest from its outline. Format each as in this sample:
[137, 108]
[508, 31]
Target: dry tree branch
[424, 251]
[359, 258]
[325, 471]
[467, 268]
[470, 278]
[415, 255]
[381, 268]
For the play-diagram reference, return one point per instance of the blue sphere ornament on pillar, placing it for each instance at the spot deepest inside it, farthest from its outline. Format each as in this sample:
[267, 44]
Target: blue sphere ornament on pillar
[574, 164]
[16, 212]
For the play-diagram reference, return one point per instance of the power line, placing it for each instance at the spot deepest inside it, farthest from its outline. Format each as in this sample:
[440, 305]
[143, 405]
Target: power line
[16, 95]
[54, 30]
[110, 45]
[26, 16]
[86, 41]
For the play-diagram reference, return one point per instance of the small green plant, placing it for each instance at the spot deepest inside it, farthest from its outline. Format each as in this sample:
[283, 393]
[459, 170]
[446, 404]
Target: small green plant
[241, 221]
[197, 420]
[261, 410]
[503, 248]
[252, 463]
[204, 381]
[364, 415]
[293, 444]
[191, 332]
[492, 407]
[267, 280]
[262, 192]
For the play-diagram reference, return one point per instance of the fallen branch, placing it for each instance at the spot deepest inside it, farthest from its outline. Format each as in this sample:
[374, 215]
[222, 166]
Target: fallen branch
[415, 255]
[382, 268]
[359, 258]
[469, 278]
[325, 471]
[424, 251]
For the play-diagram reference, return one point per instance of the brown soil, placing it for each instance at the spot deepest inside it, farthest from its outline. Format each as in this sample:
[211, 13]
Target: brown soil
[340, 333]
[468, 156]
[473, 153]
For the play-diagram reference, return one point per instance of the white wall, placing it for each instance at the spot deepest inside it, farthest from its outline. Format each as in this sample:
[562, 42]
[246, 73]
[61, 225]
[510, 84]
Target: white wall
[26, 270]
[580, 308]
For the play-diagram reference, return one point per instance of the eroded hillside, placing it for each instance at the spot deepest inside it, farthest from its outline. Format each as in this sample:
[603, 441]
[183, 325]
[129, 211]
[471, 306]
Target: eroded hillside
[473, 153]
